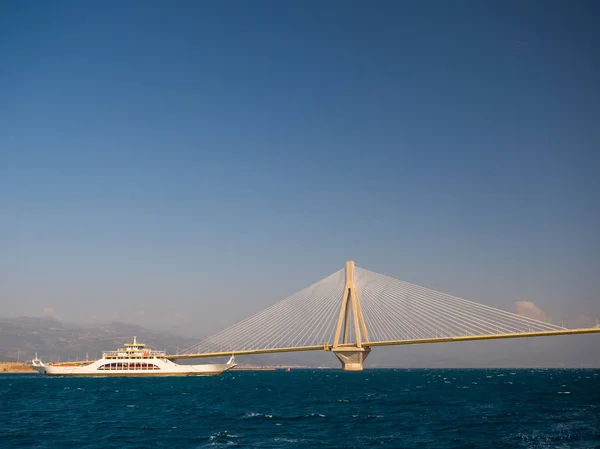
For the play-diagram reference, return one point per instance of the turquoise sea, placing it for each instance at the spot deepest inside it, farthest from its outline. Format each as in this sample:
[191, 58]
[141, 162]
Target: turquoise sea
[490, 408]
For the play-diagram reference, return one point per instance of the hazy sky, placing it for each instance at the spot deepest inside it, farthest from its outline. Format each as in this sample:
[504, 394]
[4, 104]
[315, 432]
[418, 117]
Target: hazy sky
[188, 163]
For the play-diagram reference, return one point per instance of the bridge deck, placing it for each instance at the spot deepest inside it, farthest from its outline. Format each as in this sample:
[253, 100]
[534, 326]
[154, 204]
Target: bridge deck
[327, 347]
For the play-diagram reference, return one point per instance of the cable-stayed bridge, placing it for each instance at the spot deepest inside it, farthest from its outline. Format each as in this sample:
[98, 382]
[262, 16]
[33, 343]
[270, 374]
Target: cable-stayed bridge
[353, 310]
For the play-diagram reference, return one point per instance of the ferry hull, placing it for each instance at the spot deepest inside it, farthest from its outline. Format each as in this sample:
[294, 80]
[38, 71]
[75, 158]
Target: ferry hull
[168, 369]
[131, 375]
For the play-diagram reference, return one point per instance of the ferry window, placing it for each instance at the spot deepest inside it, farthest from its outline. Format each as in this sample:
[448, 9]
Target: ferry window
[128, 366]
[108, 366]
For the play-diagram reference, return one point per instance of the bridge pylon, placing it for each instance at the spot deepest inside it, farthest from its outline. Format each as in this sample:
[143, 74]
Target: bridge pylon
[353, 348]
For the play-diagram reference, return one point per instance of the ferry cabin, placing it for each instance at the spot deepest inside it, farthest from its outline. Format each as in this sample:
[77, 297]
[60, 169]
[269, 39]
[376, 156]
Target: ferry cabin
[133, 357]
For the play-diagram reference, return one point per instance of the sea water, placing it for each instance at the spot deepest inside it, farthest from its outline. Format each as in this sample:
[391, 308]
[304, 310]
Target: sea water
[491, 408]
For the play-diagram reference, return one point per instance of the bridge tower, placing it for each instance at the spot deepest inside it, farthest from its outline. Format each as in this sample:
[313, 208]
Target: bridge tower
[353, 348]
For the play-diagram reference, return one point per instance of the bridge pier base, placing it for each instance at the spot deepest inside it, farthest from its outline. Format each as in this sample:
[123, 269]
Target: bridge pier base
[352, 358]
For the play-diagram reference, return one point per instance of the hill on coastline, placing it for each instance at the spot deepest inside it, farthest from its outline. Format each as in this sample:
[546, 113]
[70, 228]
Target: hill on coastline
[22, 337]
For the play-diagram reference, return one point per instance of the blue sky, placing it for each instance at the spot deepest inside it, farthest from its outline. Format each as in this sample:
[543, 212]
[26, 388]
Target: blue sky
[196, 161]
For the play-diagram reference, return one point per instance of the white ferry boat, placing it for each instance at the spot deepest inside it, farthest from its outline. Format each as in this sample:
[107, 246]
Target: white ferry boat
[132, 360]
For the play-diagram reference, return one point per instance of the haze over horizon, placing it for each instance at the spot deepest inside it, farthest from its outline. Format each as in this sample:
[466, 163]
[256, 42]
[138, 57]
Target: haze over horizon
[185, 165]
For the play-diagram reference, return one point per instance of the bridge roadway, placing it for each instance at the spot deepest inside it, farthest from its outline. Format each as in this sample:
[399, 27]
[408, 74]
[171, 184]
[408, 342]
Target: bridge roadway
[328, 347]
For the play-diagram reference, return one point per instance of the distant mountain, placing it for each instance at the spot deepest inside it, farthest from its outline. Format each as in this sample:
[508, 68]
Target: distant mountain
[22, 337]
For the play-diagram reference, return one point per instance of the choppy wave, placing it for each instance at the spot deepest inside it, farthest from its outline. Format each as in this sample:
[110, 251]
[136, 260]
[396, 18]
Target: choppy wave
[307, 408]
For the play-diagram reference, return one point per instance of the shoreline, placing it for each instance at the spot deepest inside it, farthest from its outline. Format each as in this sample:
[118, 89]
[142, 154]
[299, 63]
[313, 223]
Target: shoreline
[16, 368]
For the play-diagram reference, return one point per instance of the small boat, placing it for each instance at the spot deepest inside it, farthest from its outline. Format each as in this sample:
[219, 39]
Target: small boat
[132, 360]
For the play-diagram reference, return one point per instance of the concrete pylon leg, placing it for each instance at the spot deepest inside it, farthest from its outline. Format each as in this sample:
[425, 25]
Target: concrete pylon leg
[352, 358]
[352, 355]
